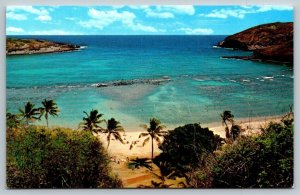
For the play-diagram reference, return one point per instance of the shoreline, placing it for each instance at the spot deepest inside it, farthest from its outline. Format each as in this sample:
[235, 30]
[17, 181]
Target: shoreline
[120, 154]
[122, 151]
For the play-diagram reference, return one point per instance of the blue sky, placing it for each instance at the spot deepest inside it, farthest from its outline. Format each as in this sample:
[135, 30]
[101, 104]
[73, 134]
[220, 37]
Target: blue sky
[140, 20]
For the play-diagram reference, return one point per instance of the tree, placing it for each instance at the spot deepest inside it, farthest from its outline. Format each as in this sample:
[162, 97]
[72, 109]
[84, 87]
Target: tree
[30, 114]
[49, 108]
[38, 157]
[154, 131]
[265, 161]
[227, 116]
[186, 147]
[114, 128]
[91, 121]
[235, 131]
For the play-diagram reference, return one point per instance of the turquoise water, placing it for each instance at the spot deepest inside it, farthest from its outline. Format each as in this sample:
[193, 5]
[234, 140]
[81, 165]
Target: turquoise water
[202, 84]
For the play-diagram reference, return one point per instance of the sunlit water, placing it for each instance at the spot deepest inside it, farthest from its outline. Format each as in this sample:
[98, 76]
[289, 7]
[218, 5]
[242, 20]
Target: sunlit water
[202, 84]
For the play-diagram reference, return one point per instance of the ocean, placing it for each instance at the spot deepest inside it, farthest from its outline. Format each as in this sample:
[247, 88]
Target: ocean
[198, 84]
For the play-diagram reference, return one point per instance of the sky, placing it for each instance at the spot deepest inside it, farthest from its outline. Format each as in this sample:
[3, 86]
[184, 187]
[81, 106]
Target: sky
[140, 20]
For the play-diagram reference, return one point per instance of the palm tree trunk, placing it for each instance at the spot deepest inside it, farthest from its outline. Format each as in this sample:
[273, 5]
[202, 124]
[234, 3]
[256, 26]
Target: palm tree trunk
[108, 140]
[46, 116]
[152, 148]
[227, 135]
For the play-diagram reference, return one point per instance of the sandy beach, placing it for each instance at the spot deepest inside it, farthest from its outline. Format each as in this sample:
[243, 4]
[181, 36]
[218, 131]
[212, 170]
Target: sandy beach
[121, 153]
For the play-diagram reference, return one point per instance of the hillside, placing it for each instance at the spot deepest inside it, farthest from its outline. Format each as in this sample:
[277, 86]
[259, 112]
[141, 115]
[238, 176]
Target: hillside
[32, 46]
[269, 42]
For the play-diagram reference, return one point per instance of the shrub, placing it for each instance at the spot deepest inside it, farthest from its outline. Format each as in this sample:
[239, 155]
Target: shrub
[59, 158]
[186, 147]
[265, 161]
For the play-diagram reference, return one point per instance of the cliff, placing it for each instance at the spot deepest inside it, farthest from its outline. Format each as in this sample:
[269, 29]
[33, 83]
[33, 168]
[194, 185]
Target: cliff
[269, 42]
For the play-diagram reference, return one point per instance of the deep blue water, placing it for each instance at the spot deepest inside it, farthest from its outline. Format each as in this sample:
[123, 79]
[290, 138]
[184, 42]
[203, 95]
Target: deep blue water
[202, 84]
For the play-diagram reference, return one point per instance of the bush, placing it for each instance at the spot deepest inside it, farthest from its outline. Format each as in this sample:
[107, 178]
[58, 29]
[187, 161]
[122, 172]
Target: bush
[59, 158]
[265, 161]
[186, 147]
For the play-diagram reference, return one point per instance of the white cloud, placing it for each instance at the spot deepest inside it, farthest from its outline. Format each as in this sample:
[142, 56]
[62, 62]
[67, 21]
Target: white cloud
[266, 8]
[100, 19]
[166, 11]
[197, 31]
[42, 13]
[43, 18]
[139, 7]
[53, 32]
[14, 16]
[180, 9]
[225, 13]
[140, 27]
[244, 10]
[12, 29]
[151, 14]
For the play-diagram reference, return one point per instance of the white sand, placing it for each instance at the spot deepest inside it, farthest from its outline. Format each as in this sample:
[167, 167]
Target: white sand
[121, 152]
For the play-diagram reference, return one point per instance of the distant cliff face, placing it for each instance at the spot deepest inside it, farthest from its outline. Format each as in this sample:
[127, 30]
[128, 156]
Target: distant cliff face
[269, 42]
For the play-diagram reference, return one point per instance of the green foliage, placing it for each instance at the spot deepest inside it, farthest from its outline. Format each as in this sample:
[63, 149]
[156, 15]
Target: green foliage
[91, 121]
[114, 128]
[234, 131]
[30, 113]
[154, 132]
[264, 161]
[59, 158]
[12, 120]
[186, 147]
[49, 108]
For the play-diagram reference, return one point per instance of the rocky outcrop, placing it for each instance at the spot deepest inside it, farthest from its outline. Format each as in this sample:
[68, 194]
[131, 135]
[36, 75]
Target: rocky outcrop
[269, 42]
[33, 46]
[157, 81]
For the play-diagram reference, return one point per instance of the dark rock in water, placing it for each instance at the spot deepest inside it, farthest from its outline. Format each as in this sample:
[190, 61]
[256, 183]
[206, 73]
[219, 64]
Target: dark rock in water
[101, 85]
[135, 81]
[269, 42]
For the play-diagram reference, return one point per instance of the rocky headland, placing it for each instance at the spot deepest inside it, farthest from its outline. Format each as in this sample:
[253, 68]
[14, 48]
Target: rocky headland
[32, 46]
[271, 42]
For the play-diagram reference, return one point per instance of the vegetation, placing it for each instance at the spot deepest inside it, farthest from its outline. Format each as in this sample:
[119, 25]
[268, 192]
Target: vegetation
[186, 147]
[91, 121]
[27, 46]
[227, 117]
[114, 128]
[234, 131]
[58, 158]
[49, 108]
[154, 132]
[192, 156]
[30, 113]
[265, 161]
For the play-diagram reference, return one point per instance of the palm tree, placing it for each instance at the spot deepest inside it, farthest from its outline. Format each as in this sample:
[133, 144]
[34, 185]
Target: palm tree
[30, 113]
[155, 131]
[227, 116]
[114, 128]
[50, 108]
[91, 121]
[235, 131]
